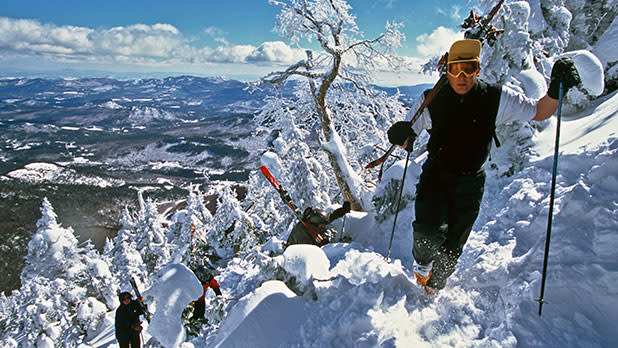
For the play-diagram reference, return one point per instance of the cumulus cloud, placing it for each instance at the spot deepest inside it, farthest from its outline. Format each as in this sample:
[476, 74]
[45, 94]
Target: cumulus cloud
[27, 36]
[276, 51]
[437, 42]
[227, 54]
[138, 43]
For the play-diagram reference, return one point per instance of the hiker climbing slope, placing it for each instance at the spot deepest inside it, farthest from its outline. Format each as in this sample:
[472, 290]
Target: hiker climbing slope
[127, 321]
[461, 121]
[318, 220]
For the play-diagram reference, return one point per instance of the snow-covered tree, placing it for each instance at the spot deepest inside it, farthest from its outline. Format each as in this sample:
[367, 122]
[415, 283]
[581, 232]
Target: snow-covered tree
[53, 313]
[125, 261]
[265, 203]
[53, 251]
[346, 60]
[189, 232]
[60, 279]
[98, 278]
[233, 229]
[536, 32]
[150, 238]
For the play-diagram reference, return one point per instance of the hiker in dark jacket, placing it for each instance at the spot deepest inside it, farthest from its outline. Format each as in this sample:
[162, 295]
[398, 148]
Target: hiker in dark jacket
[208, 281]
[128, 324]
[461, 121]
[318, 219]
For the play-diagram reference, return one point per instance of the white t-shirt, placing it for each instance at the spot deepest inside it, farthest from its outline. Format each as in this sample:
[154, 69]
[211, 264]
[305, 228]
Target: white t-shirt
[514, 106]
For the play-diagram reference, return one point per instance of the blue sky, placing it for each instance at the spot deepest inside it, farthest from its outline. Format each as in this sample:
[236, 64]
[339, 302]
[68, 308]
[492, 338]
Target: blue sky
[234, 38]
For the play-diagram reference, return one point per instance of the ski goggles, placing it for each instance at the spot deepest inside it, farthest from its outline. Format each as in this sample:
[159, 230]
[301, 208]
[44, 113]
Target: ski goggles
[467, 67]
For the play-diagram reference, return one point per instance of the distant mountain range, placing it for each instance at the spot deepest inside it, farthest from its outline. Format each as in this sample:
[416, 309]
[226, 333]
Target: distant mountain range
[171, 125]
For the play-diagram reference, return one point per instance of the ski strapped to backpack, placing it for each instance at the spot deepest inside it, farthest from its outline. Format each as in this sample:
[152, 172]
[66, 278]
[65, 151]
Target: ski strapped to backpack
[285, 197]
[140, 299]
[478, 28]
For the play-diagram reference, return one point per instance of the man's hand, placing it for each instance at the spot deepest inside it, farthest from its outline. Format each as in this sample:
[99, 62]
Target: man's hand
[401, 134]
[565, 72]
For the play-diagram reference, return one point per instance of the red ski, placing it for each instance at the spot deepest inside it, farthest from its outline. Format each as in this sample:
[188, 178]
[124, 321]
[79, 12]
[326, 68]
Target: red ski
[285, 197]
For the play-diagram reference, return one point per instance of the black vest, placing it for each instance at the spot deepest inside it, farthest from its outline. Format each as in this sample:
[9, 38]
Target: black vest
[462, 127]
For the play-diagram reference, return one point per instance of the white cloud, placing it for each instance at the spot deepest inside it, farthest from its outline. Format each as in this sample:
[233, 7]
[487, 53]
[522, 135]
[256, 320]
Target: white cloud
[25, 36]
[276, 51]
[137, 44]
[437, 42]
[139, 40]
[227, 54]
[217, 34]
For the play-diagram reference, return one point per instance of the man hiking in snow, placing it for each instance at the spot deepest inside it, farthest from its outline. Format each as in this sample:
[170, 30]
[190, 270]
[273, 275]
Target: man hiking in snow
[128, 324]
[208, 281]
[318, 219]
[461, 121]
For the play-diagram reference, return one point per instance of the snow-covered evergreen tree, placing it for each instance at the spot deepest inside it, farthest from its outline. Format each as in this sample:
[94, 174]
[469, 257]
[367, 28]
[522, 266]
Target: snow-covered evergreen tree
[125, 261]
[98, 278]
[53, 251]
[189, 232]
[60, 279]
[150, 238]
[265, 202]
[233, 229]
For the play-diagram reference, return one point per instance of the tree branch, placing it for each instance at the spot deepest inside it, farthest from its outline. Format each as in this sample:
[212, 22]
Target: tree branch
[278, 77]
[367, 43]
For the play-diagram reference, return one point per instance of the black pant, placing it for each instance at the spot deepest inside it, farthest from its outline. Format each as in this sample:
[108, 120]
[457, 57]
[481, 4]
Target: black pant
[134, 342]
[447, 205]
[199, 309]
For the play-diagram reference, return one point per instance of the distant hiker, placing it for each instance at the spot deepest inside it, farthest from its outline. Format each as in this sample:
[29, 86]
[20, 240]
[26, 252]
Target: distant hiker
[461, 121]
[208, 281]
[318, 219]
[128, 324]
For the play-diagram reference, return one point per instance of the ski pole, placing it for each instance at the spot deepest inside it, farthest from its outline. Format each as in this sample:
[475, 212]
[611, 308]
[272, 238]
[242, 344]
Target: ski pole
[551, 201]
[403, 179]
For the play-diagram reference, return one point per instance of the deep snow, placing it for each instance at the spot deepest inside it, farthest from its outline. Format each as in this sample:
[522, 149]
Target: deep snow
[490, 300]
[350, 296]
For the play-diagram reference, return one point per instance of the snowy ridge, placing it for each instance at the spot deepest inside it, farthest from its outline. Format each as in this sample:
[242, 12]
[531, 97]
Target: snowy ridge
[52, 173]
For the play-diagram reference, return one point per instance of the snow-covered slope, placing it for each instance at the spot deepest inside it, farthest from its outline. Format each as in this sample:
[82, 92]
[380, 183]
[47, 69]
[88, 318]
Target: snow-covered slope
[490, 300]
[348, 295]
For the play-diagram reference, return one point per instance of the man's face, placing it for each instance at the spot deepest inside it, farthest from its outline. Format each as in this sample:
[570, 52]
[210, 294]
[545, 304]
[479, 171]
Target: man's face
[126, 300]
[462, 76]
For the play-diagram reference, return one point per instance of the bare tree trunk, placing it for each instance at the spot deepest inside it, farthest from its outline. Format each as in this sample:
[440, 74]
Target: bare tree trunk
[342, 170]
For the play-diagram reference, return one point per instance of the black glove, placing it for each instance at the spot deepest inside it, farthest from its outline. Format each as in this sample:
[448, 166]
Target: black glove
[346, 206]
[339, 212]
[564, 71]
[399, 132]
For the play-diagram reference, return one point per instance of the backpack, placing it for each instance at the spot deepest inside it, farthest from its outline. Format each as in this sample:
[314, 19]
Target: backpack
[315, 216]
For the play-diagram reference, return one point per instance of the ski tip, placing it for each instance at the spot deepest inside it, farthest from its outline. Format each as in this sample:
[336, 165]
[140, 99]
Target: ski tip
[370, 165]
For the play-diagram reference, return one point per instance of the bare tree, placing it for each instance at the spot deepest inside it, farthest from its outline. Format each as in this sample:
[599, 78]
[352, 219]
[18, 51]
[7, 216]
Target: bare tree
[345, 57]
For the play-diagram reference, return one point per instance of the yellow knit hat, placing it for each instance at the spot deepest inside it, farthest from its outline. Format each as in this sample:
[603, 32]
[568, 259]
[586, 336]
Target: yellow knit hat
[464, 50]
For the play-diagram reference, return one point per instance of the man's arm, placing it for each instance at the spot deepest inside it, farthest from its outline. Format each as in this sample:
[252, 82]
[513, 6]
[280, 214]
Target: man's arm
[545, 108]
